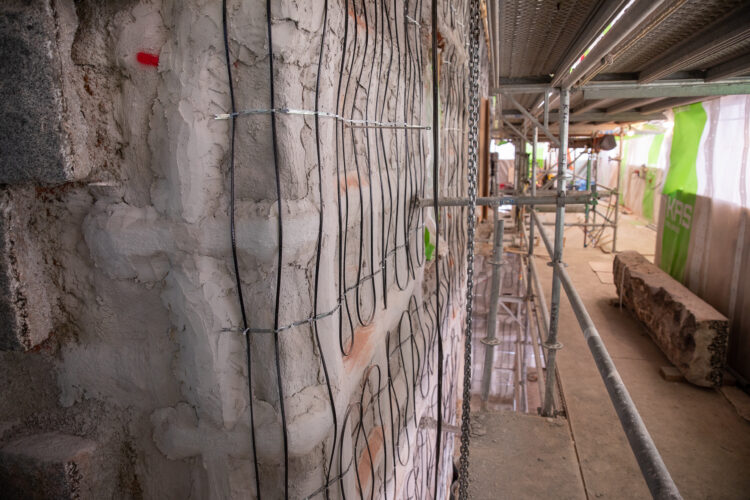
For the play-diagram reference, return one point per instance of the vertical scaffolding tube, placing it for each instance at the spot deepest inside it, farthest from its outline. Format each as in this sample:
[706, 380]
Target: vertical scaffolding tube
[617, 197]
[595, 197]
[530, 255]
[551, 344]
[491, 340]
[588, 188]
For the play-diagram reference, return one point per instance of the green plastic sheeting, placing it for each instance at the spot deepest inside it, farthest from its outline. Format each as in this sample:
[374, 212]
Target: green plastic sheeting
[539, 156]
[654, 150]
[689, 123]
[429, 248]
[681, 186]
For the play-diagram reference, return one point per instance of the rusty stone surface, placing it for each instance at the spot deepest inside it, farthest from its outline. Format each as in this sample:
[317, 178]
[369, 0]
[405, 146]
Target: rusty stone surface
[692, 334]
[42, 466]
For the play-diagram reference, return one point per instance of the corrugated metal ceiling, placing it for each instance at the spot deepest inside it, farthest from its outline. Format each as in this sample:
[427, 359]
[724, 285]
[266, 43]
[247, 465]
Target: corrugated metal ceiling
[536, 35]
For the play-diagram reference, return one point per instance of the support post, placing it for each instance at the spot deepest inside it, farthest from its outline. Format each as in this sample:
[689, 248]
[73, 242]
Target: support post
[586, 210]
[617, 197]
[491, 340]
[596, 184]
[530, 257]
[552, 344]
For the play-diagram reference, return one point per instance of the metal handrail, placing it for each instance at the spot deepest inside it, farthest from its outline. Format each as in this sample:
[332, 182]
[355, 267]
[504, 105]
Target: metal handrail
[654, 471]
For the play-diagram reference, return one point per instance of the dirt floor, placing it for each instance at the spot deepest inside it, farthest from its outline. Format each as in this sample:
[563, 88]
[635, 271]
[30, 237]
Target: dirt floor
[703, 440]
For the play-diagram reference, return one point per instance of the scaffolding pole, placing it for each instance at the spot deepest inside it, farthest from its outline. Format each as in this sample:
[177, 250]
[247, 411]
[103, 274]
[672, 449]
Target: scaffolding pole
[529, 277]
[588, 188]
[490, 341]
[653, 469]
[552, 344]
[617, 197]
[556, 199]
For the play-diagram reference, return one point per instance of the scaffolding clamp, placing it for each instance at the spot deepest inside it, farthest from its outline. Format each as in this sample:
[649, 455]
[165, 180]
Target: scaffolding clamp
[553, 347]
[491, 341]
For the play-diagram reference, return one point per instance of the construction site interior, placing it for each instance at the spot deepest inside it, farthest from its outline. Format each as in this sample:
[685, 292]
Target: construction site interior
[375, 249]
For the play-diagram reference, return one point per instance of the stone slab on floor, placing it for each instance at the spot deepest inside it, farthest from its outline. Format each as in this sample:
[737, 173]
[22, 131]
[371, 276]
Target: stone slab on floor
[670, 373]
[739, 399]
[523, 456]
[42, 466]
[692, 334]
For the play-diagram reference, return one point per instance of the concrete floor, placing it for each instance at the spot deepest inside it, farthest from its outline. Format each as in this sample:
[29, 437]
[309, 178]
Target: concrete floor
[520, 456]
[703, 441]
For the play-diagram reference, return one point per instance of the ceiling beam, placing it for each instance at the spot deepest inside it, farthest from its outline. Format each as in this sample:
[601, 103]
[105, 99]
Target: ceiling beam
[627, 25]
[725, 32]
[597, 90]
[628, 104]
[531, 117]
[735, 67]
[588, 106]
[520, 88]
[644, 28]
[606, 10]
[670, 88]
[599, 117]
[514, 129]
[665, 104]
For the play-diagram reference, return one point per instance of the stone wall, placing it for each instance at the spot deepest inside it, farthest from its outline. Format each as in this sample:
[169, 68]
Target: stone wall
[122, 323]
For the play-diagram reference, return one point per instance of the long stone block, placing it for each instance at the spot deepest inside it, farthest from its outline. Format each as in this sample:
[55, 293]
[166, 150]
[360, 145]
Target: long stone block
[42, 466]
[692, 334]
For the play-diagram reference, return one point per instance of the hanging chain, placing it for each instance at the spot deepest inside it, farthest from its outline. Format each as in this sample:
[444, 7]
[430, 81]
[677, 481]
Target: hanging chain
[463, 478]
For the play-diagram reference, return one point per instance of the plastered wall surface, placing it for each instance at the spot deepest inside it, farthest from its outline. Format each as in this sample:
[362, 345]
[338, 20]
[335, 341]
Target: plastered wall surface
[135, 331]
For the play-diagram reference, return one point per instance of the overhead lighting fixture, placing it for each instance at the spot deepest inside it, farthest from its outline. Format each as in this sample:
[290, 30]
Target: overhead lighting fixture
[606, 30]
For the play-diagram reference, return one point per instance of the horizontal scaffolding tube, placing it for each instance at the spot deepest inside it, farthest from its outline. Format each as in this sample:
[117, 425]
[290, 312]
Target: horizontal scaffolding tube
[657, 477]
[582, 224]
[580, 198]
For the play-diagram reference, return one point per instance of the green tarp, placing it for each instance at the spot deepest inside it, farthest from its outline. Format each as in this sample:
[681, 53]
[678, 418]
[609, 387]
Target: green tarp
[680, 187]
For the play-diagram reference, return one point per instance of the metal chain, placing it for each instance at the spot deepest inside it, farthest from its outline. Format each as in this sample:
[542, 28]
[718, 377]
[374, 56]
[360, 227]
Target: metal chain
[463, 478]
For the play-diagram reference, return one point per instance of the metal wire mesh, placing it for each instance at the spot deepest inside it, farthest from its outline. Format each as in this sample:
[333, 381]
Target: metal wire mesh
[381, 66]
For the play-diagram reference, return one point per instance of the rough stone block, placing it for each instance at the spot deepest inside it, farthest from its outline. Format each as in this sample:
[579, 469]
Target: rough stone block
[670, 374]
[35, 132]
[25, 306]
[46, 466]
[692, 334]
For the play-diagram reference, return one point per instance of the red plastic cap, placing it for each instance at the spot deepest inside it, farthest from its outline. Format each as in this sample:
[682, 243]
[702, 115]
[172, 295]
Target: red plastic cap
[147, 59]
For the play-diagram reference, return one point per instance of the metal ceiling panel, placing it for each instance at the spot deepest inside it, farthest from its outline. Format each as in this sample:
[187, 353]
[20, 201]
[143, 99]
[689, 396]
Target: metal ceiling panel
[536, 34]
[685, 21]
